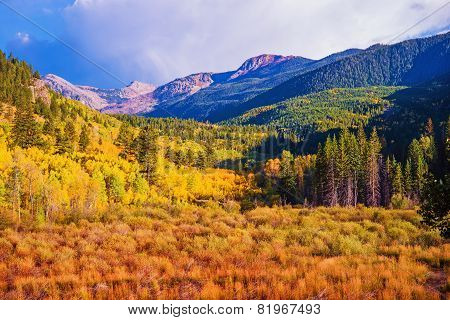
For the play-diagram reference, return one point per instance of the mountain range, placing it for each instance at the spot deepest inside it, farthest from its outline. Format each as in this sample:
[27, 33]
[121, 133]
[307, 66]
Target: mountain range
[269, 79]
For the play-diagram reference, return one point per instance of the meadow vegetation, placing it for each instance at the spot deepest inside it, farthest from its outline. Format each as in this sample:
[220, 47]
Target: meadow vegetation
[215, 253]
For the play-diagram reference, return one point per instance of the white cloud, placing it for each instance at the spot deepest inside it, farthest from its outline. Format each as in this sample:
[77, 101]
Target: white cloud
[158, 40]
[23, 37]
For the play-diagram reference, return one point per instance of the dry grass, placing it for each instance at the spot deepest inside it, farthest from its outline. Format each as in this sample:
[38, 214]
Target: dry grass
[199, 253]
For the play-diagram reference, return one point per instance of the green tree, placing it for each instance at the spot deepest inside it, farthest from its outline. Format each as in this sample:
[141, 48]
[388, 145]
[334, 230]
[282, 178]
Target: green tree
[418, 167]
[210, 154]
[200, 162]
[288, 177]
[25, 131]
[407, 179]
[147, 152]
[69, 132]
[373, 195]
[84, 140]
[434, 204]
[361, 165]
[62, 142]
[397, 178]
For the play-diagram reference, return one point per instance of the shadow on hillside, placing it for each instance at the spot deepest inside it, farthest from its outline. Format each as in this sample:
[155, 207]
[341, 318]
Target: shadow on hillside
[405, 121]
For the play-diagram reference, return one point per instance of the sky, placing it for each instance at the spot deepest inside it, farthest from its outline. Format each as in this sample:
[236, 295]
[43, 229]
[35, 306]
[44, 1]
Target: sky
[113, 42]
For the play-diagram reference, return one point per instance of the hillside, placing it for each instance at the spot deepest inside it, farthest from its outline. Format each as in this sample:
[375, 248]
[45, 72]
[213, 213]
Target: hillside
[226, 93]
[196, 95]
[407, 63]
[330, 109]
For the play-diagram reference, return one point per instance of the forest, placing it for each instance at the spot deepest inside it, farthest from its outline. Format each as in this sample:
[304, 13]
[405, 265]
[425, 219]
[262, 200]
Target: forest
[94, 206]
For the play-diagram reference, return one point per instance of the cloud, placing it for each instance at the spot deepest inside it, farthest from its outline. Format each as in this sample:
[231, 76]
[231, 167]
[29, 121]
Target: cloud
[159, 40]
[23, 37]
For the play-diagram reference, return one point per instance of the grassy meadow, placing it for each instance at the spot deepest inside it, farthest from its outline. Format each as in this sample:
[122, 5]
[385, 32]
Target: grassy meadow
[221, 253]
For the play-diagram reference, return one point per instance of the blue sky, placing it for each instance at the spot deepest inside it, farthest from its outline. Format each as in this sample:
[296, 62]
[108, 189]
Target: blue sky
[158, 40]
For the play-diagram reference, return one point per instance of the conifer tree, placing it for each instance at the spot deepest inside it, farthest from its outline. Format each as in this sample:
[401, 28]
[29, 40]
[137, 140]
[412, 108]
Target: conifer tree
[418, 167]
[49, 126]
[373, 170]
[125, 140]
[397, 178]
[25, 131]
[84, 139]
[330, 192]
[63, 144]
[344, 168]
[319, 178]
[201, 160]
[287, 177]
[210, 155]
[434, 206]
[147, 152]
[361, 168]
[70, 134]
[407, 179]
[190, 157]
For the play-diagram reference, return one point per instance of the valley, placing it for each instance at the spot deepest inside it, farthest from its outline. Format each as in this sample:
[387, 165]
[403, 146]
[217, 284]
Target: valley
[287, 178]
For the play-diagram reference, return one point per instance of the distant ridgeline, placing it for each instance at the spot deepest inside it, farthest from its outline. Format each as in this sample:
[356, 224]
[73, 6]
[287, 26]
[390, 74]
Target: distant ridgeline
[408, 63]
[270, 79]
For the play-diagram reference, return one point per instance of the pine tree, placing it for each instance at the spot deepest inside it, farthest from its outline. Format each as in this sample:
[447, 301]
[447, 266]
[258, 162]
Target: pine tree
[344, 169]
[434, 207]
[84, 139]
[25, 131]
[147, 152]
[385, 188]
[361, 168]
[180, 158]
[201, 160]
[49, 126]
[125, 140]
[63, 144]
[210, 154]
[170, 154]
[190, 157]
[407, 179]
[288, 177]
[373, 171]
[397, 178]
[418, 167]
[330, 192]
[70, 135]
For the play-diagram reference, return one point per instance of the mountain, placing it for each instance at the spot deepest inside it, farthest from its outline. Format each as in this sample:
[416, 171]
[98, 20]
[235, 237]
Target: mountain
[71, 91]
[255, 76]
[129, 99]
[255, 63]
[269, 79]
[134, 98]
[182, 87]
[406, 63]
[198, 90]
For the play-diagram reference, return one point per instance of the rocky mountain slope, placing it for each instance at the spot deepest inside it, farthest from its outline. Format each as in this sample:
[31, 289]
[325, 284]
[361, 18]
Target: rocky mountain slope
[139, 98]
[406, 63]
[267, 79]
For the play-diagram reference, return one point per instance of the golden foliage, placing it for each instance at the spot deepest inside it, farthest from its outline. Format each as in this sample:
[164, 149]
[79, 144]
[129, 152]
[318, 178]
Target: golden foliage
[207, 253]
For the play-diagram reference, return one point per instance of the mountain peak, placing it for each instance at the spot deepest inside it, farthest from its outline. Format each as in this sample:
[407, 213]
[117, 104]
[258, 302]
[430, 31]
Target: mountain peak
[137, 88]
[184, 86]
[258, 62]
[72, 91]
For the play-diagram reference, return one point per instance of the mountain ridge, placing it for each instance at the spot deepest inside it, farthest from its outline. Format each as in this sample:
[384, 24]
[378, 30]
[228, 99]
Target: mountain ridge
[267, 79]
[139, 97]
